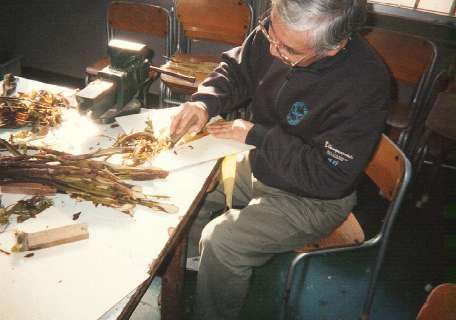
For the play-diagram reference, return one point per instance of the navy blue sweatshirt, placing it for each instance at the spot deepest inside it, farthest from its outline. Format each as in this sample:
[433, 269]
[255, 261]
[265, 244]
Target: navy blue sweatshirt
[315, 127]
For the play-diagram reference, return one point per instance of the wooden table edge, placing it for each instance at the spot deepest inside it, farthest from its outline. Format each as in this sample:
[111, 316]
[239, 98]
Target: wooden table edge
[167, 255]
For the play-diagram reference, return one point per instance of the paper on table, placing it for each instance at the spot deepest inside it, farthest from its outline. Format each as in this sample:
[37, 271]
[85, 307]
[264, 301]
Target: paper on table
[27, 86]
[161, 121]
[198, 151]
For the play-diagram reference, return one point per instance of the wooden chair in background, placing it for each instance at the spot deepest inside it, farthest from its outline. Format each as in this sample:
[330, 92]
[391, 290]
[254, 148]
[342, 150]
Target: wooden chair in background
[215, 21]
[437, 142]
[135, 17]
[411, 60]
[440, 304]
[440, 83]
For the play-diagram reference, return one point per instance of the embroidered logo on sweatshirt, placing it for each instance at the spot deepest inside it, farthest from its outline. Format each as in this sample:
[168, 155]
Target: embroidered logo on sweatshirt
[298, 111]
[335, 156]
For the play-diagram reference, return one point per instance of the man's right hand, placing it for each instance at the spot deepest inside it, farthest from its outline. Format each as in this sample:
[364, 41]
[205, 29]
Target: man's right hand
[192, 117]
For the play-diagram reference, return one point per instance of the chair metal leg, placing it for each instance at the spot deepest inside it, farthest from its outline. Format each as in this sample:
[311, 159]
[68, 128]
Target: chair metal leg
[161, 95]
[439, 159]
[418, 162]
[385, 234]
[290, 275]
[373, 282]
[420, 154]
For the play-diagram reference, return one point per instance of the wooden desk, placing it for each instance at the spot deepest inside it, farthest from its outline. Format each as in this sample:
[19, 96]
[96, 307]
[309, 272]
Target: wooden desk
[84, 279]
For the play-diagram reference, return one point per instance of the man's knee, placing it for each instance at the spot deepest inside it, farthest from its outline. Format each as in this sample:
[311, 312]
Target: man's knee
[219, 235]
[219, 246]
[212, 234]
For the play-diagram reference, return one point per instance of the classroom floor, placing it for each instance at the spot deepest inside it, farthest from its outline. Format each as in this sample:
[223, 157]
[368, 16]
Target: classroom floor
[421, 254]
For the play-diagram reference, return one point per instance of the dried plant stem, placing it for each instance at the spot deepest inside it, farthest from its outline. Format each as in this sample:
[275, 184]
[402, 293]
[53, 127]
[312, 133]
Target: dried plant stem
[38, 108]
[25, 209]
[81, 177]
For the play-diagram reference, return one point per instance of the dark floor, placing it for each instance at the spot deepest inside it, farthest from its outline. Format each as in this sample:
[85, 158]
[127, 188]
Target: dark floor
[421, 254]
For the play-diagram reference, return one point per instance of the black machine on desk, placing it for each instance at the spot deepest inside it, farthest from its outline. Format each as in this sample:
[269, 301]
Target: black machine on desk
[118, 85]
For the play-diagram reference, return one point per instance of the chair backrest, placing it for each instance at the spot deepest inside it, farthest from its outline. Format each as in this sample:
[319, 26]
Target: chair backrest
[440, 304]
[387, 168]
[440, 83]
[226, 21]
[407, 56]
[140, 18]
[411, 60]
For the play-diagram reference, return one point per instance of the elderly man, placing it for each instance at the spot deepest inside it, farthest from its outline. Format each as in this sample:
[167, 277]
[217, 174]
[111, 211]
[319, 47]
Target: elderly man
[318, 96]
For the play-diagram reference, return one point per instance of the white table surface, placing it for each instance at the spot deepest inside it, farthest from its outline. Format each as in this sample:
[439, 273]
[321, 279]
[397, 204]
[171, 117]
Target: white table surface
[82, 280]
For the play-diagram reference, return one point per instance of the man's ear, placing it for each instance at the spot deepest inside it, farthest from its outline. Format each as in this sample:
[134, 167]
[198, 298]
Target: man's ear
[341, 46]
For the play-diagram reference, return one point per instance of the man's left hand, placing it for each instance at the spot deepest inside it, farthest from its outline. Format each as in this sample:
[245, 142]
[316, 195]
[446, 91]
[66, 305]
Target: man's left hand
[234, 130]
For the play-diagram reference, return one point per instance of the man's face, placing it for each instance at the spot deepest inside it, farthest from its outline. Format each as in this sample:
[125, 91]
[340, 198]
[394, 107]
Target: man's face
[293, 47]
[290, 46]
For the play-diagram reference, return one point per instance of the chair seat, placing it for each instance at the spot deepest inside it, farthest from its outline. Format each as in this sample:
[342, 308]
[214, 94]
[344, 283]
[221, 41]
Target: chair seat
[93, 69]
[348, 233]
[442, 118]
[398, 115]
[195, 65]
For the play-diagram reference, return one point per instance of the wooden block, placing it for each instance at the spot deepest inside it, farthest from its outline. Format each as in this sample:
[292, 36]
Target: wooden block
[28, 188]
[51, 237]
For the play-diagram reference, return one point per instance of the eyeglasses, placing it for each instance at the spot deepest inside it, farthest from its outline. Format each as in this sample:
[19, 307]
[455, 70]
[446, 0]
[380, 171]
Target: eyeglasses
[282, 50]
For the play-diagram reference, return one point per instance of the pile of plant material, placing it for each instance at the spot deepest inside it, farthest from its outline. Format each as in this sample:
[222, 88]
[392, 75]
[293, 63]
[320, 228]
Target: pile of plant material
[35, 109]
[81, 176]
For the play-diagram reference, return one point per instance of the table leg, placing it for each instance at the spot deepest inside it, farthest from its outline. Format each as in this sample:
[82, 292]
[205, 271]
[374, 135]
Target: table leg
[173, 283]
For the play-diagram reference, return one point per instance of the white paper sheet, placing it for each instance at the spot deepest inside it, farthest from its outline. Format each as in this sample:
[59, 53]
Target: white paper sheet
[24, 85]
[189, 154]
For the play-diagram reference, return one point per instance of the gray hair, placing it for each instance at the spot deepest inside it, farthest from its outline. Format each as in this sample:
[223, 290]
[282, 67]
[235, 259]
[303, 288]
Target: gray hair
[328, 21]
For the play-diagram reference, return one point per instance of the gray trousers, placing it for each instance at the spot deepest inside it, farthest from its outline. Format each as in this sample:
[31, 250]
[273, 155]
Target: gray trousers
[271, 221]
